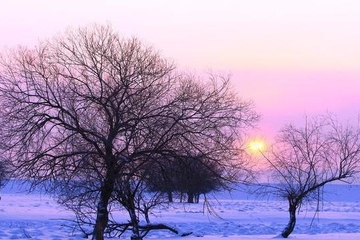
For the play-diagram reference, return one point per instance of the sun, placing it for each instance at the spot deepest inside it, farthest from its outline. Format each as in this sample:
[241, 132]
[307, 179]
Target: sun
[257, 146]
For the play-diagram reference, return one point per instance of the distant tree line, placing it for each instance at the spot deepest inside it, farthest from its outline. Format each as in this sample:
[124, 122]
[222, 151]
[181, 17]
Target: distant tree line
[188, 176]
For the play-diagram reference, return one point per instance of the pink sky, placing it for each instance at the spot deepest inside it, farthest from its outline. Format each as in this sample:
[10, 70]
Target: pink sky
[292, 58]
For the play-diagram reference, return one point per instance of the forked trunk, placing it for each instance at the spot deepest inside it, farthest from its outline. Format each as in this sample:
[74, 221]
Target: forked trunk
[292, 221]
[130, 206]
[135, 225]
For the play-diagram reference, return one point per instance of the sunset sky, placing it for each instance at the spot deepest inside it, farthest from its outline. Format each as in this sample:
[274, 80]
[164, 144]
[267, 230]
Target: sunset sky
[292, 58]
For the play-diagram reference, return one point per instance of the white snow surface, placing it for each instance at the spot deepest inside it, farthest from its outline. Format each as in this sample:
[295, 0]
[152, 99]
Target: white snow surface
[242, 216]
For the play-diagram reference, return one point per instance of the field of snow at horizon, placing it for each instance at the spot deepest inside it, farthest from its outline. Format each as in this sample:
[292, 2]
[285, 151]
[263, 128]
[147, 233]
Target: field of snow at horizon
[241, 216]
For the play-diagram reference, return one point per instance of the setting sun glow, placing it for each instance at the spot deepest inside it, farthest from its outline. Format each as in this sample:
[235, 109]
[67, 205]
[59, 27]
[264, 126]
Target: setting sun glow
[257, 146]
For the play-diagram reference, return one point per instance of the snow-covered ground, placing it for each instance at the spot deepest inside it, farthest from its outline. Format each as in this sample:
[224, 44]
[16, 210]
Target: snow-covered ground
[36, 216]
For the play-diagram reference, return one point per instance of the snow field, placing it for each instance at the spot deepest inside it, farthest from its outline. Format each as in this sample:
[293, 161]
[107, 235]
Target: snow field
[240, 216]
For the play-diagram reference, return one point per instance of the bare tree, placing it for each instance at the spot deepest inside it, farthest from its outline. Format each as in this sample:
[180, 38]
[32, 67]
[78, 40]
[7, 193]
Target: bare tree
[304, 159]
[89, 109]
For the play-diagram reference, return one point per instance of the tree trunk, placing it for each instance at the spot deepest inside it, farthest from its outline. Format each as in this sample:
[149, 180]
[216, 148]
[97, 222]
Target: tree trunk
[130, 206]
[190, 198]
[182, 197]
[146, 214]
[135, 224]
[197, 198]
[170, 196]
[102, 216]
[292, 221]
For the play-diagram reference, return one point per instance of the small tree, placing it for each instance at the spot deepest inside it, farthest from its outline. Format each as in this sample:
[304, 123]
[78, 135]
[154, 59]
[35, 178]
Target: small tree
[304, 159]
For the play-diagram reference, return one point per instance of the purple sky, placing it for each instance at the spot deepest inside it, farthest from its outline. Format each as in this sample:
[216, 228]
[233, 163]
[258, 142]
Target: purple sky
[292, 58]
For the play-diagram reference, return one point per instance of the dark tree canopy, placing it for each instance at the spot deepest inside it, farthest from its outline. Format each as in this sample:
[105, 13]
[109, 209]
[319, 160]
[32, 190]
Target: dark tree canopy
[88, 109]
[191, 175]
